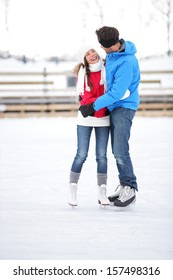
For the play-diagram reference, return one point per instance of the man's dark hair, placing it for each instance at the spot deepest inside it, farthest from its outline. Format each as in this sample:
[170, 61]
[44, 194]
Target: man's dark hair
[107, 36]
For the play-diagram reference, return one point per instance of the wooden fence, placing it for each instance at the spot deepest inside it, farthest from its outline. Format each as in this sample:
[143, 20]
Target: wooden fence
[53, 93]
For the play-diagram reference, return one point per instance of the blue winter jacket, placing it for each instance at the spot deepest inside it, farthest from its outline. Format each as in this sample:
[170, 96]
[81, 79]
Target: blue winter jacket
[122, 77]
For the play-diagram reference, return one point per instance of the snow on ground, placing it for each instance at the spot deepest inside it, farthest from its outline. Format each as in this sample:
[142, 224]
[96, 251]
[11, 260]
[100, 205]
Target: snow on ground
[36, 221]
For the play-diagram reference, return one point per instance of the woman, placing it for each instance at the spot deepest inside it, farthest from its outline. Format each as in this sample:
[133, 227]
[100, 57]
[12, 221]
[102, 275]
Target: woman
[90, 85]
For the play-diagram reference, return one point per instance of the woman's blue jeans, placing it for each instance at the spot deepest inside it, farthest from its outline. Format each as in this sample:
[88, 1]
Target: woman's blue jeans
[83, 142]
[121, 122]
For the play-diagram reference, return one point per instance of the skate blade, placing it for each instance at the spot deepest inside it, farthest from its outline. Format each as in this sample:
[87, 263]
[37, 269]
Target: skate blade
[72, 205]
[111, 204]
[126, 208]
[103, 206]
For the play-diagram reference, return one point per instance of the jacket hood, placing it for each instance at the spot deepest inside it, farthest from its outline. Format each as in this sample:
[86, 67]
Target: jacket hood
[130, 47]
[127, 48]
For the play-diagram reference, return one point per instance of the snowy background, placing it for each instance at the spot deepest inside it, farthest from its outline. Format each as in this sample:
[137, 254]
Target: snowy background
[57, 28]
[36, 221]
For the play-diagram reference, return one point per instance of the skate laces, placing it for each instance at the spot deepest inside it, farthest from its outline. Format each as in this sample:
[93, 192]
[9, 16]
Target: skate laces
[103, 192]
[118, 189]
[73, 191]
[126, 193]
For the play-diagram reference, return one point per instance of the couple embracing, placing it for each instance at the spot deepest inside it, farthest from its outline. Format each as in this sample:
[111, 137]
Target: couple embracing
[109, 98]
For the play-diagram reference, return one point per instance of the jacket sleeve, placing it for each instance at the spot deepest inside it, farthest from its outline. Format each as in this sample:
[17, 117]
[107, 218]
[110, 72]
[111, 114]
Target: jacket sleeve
[122, 80]
[88, 101]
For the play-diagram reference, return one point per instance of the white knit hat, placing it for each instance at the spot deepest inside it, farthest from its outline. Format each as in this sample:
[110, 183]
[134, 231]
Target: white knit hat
[82, 52]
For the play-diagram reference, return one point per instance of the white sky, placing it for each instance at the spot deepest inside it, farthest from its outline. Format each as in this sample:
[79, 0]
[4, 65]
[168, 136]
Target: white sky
[54, 27]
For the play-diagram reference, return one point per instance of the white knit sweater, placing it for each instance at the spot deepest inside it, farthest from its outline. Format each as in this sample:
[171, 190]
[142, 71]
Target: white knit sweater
[93, 121]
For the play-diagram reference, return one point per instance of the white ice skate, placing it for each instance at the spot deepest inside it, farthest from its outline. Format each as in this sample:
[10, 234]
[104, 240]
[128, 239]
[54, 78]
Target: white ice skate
[116, 194]
[102, 197]
[72, 195]
[127, 197]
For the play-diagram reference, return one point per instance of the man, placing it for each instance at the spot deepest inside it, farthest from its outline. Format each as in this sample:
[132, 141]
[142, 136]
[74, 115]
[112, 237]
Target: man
[122, 100]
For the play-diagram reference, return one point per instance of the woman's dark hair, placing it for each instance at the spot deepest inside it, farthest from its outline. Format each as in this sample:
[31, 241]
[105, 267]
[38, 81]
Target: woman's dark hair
[88, 73]
[86, 65]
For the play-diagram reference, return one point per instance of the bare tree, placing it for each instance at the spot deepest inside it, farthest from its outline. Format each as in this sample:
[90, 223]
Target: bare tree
[85, 11]
[90, 9]
[6, 11]
[165, 10]
[100, 12]
[6, 14]
[6, 22]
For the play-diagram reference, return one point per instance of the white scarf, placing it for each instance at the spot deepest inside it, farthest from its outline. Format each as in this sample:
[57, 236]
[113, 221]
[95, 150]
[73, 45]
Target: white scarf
[83, 77]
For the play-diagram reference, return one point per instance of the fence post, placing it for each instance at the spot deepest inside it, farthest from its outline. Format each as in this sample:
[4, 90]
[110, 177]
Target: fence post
[45, 77]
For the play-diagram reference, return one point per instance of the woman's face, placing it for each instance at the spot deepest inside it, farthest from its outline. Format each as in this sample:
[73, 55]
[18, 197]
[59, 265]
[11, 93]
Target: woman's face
[92, 56]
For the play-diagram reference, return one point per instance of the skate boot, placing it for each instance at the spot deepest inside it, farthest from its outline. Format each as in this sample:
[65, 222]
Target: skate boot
[72, 196]
[114, 196]
[102, 198]
[127, 196]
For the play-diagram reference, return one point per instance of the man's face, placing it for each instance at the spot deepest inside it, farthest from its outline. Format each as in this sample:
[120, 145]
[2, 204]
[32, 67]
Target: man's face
[111, 49]
[107, 50]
